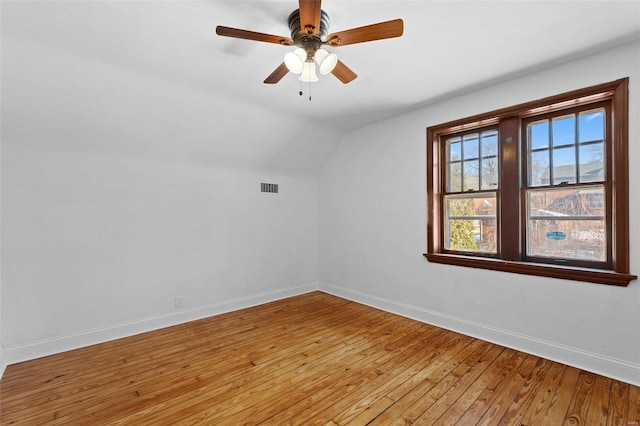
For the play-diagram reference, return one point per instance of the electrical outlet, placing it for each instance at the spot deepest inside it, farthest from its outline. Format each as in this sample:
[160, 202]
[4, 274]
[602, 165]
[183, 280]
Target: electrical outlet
[179, 302]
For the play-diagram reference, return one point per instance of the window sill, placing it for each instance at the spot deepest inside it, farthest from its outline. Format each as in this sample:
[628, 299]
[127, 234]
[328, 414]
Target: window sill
[563, 272]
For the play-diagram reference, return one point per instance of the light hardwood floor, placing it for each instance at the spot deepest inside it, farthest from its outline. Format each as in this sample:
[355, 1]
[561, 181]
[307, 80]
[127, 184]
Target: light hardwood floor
[313, 359]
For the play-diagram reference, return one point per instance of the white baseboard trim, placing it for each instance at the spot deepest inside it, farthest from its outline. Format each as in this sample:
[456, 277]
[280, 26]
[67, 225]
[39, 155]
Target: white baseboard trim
[60, 344]
[624, 371]
[3, 363]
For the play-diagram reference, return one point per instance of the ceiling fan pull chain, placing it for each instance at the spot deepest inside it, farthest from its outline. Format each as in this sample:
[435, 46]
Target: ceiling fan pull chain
[309, 91]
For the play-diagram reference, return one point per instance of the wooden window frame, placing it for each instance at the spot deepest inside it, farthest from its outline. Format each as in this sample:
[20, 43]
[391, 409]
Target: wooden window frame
[511, 256]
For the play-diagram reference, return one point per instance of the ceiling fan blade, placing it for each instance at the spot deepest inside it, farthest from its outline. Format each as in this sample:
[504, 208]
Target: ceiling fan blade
[381, 30]
[277, 75]
[252, 35]
[310, 16]
[343, 73]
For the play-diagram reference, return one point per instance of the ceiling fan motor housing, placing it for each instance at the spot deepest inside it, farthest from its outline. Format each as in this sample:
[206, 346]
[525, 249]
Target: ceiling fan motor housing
[307, 40]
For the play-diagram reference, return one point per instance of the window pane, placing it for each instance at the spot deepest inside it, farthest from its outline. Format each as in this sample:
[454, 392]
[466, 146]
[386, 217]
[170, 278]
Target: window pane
[489, 161]
[454, 177]
[564, 165]
[471, 176]
[455, 149]
[591, 126]
[470, 146]
[592, 162]
[567, 223]
[564, 130]
[566, 202]
[470, 223]
[579, 240]
[490, 144]
[489, 178]
[539, 168]
[539, 135]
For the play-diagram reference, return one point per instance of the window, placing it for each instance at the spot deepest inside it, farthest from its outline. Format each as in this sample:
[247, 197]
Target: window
[539, 188]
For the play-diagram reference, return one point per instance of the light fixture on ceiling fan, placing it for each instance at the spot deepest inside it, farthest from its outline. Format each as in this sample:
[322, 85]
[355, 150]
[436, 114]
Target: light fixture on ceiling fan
[303, 60]
[299, 62]
[309, 27]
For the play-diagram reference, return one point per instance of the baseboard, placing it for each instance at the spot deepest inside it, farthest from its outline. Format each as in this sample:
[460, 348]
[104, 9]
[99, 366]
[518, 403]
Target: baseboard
[596, 363]
[91, 337]
[3, 364]
[606, 366]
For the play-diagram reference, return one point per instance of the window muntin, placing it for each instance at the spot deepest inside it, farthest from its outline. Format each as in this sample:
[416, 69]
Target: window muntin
[573, 144]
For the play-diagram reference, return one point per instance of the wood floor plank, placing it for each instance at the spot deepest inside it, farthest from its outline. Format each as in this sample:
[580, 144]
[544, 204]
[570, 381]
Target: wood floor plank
[477, 366]
[233, 386]
[115, 352]
[375, 364]
[599, 405]
[133, 392]
[579, 405]
[618, 404]
[260, 373]
[562, 396]
[320, 404]
[348, 379]
[633, 415]
[454, 411]
[296, 389]
[428, 366]
[368, 407]
[540, 404]
[422, 397]
[509, 392]
[526, 395]
[175, 341]
[492, 391]
[313, 359]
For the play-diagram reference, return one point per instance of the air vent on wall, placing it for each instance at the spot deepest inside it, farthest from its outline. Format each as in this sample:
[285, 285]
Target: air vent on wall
[269, 187]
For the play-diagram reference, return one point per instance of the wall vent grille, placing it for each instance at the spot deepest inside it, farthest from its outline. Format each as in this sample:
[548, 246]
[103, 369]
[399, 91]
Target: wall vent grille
[269, 187]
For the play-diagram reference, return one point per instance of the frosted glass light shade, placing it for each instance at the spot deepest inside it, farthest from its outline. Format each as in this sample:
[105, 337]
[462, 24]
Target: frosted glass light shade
[309, 72]
[326, 61]
[295, 60]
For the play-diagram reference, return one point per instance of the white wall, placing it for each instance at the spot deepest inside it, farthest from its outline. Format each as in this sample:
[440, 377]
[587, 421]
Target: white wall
[97, 247]
[124, 188]
[373, 232]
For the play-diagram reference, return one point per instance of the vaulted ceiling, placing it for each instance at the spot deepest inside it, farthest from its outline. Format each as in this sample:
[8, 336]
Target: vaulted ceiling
[151, 78]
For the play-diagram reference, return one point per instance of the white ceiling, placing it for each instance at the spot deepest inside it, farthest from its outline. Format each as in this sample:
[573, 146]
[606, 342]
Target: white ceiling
[151, 78]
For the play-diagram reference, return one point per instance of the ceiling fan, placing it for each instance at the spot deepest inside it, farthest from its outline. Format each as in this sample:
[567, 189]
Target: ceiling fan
[309, 32]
